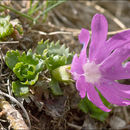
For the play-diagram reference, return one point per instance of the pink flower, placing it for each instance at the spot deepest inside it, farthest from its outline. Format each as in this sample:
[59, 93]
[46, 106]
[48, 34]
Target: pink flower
[103, 65]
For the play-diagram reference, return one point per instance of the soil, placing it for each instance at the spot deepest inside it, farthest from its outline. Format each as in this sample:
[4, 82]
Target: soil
[49, 112]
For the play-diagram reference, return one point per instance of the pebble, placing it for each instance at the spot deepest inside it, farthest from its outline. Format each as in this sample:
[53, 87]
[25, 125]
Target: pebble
[117, 122]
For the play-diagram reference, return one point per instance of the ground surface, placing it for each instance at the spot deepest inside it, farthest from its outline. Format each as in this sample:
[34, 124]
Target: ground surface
[49, 112]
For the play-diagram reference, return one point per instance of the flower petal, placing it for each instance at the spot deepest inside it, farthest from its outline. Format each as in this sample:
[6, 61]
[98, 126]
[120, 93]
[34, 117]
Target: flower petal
[113, 92]
[78, 62]
[118, 40]
[112, 67]
[121, 90]
[93, 96]
[84, 36]
[84, 39]
[99, 29]
[76, 67]
[83, 87]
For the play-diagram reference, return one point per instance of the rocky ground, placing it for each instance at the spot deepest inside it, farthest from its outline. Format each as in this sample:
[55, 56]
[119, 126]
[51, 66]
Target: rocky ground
[63, 23]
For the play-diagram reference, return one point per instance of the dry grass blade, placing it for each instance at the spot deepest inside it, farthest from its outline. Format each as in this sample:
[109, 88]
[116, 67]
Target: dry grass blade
[11, 112]
[107, 13]
[8, 42]
[13, 116]
[71, 31]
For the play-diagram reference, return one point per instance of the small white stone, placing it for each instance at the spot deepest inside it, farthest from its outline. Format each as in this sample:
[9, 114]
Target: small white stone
[116, 122]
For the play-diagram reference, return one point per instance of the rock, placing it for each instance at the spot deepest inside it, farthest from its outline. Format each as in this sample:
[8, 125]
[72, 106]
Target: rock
[117, 122]
[89, 124]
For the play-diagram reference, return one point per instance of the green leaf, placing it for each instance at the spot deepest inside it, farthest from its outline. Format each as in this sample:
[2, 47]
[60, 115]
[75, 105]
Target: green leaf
[88, 107]
[33, 59]
[40, 66]
[19, 89]
[32, 9]
[83, 105]
[31, 81]
[52, 4]
[11, 58]
[25, 66]
[62, 73]
[24, 71]
[19, 28]
[54, 54]
[54, 62]
[41, 47]
[56, 90]
[49, 49]
[28, 58]
[57, 55]
[70, 57]
[57, 49]
[6, 28]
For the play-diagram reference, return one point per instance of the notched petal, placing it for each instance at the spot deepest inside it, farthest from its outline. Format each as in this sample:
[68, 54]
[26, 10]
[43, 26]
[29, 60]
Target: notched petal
[76, 66]
[81, 86]
[99, 27]
[113, 92]
[84, 36]
[94, 97]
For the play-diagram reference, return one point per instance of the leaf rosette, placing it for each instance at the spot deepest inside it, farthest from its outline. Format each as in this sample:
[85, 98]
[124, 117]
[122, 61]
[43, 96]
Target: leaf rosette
[55, 55]
[26, 73]
[25, 66]
[6, 28]
[57, 59]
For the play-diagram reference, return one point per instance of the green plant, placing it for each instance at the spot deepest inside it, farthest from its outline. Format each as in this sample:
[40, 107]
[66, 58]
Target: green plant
[88, 107]
[39, 8]
[55, 56]
[25, 66]
[9, 27]
[6, 28]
